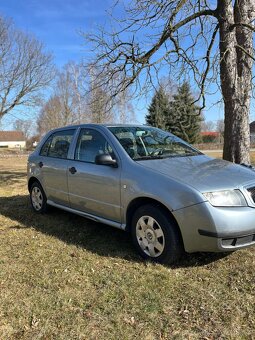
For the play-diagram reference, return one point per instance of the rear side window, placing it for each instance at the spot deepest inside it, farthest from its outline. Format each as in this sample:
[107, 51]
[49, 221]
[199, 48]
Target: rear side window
[57, 145]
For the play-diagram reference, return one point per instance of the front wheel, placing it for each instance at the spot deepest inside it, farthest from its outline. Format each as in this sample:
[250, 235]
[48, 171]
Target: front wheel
[155, 235]
[38, 198]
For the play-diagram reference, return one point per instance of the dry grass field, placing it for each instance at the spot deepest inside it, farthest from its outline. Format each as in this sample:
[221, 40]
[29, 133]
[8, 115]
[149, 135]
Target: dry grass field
[218, 154]
[65, 277]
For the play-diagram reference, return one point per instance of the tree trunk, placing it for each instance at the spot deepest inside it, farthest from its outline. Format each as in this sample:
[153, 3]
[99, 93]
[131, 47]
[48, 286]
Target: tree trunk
[236, 49]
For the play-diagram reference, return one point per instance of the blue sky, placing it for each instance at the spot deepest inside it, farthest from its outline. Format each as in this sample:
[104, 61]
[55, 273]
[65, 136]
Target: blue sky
[57, 24]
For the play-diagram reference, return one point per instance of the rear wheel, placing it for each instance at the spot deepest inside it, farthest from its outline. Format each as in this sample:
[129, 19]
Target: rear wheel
[155, 235]
[38, 198]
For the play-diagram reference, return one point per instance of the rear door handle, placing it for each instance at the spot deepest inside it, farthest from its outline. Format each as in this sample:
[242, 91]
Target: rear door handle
[40, 164]
[72, 170]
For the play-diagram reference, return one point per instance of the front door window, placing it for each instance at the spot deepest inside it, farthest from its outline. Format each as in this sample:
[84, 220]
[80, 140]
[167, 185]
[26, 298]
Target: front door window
[90, 144]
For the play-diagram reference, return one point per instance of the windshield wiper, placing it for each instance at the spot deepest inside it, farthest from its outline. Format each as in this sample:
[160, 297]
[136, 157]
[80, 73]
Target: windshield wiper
[193, 153]
[144, 158]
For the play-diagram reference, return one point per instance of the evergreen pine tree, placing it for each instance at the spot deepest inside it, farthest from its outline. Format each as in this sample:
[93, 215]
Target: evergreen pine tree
[183, 118]
[158, 109]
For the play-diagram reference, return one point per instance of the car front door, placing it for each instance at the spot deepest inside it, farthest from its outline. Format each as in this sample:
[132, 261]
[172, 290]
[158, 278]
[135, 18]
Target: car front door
[93, 188]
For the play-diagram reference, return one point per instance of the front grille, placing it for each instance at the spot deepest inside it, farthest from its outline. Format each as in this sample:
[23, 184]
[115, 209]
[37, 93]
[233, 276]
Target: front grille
[252, 193]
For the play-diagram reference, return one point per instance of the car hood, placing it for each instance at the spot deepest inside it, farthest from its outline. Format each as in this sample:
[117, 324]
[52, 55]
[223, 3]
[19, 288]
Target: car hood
[202, 172]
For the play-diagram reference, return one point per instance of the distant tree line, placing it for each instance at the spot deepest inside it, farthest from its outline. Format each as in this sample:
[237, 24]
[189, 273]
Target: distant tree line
[75, 99]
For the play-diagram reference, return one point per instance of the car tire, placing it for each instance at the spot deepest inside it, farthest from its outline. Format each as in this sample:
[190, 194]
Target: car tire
[155, 235]
[38, 198]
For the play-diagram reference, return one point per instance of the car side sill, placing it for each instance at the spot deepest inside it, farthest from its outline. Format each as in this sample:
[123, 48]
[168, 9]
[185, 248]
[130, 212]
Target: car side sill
[90, 216]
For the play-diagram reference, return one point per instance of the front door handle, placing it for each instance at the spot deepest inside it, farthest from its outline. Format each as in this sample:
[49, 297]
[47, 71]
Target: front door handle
[72, 170]
[40, 164]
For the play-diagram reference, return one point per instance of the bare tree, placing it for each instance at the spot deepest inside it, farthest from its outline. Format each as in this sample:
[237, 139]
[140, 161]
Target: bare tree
[100, 105]
[67, 104]
[98, 97]
[76, 72]
[207, 125]
[64, 91]
[24, 68]
[75, 99]
[189, 38]
[24, 126]
[71, 88]
[50, 116]
[124, 110]
[220, 129]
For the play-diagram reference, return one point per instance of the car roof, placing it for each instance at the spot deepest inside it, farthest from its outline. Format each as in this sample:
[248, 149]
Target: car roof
[89, 125]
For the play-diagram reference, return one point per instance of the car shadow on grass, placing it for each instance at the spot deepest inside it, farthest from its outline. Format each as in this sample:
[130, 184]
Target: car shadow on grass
[92, 236]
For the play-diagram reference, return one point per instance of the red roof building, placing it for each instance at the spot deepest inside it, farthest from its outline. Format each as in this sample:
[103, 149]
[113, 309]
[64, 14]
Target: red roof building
[210, 133]
[12, 139]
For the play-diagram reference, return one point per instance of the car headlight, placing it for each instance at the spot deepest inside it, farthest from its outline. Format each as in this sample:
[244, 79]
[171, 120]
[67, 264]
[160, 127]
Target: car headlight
[226, 198]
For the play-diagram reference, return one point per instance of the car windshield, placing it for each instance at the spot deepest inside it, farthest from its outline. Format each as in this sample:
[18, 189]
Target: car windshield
[143, 143]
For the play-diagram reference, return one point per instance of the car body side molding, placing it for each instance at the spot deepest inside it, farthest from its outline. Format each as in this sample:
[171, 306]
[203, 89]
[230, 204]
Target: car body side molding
[89, 216]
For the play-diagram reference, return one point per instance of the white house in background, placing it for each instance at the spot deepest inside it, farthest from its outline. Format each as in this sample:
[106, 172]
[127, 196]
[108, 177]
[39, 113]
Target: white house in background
[12, 139]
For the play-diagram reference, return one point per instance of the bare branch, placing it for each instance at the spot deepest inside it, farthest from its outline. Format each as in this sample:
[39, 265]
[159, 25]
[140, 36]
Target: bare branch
[245, 52]
[242, 24]
[205, 74]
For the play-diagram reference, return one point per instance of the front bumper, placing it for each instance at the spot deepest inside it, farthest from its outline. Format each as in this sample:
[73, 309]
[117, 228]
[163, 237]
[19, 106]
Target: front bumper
[214, 229]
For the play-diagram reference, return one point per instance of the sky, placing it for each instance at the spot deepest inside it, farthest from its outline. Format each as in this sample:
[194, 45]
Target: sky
[58, 24]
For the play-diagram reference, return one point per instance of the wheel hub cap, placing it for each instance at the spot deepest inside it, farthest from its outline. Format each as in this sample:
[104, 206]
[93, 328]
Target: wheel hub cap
[150, 236]
[37, 198]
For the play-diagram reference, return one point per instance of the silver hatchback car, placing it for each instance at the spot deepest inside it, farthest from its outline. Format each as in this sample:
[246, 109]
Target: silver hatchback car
[141, 179]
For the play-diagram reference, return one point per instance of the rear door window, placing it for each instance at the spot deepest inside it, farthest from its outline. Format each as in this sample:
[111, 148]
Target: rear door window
[57, 145]
[45, 147]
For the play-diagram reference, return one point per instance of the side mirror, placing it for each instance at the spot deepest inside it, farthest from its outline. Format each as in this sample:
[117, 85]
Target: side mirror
[106, 159]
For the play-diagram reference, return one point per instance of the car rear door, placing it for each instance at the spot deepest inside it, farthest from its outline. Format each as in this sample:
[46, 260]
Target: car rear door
[53, 166]
[93, 188]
